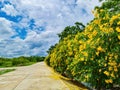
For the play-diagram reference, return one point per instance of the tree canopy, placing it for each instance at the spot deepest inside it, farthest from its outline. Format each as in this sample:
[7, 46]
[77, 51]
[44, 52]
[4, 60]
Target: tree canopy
[71, 30]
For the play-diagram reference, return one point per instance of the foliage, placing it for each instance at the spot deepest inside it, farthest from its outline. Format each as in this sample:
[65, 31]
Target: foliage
[91, 56]
[51, 48]
[6, 71]
[19, 61]
[113, 6]
[71, 30]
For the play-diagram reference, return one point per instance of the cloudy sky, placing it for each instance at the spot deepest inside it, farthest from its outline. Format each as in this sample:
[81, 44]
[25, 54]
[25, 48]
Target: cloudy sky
[30, 27]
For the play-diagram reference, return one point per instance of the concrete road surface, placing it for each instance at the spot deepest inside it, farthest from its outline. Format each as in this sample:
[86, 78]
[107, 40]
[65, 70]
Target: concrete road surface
[35, 77]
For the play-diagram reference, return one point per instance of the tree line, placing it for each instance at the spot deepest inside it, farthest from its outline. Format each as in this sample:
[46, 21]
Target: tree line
[19, 61]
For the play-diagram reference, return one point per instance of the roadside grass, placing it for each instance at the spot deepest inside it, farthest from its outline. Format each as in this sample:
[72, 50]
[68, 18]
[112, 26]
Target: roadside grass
[6, 71]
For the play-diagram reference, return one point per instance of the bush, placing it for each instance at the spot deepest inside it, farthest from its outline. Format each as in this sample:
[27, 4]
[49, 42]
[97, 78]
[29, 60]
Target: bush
[20, 62]
[1, 62]
[47, 60]
[5, 62]
[92, 56]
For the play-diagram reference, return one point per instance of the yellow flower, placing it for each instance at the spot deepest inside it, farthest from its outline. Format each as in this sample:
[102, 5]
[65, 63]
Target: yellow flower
[116, 56]
[113, 63]
[91, 58]
[105, 64]
[118, 23]
[96, 14]
[82, 47]
[119, 65]
[96, 21]
[106, 73]
[100, 49]
[118, 29]
[106, 57]
[90, 36]
[111, 30]
[111, 55]
[94, 33]
[85, 54]
[101, 10]
[114, 17]
[110, 68]
[109, 81]
[106, 81]
[97, 53]
[73, 73]
[70, 53]
[115, 69]
[80, 42]
[112, 75]
[82, 59]
[119, 37]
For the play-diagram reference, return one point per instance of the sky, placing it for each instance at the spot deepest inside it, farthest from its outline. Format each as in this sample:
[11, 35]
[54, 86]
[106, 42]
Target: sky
[30, 27]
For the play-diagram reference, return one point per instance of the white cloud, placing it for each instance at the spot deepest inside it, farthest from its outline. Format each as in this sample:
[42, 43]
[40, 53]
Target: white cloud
[5, 29]
[9, 10]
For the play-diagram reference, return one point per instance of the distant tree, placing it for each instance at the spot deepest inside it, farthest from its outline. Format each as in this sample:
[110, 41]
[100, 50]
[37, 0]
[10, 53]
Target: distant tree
[79, 26]
[71, 30]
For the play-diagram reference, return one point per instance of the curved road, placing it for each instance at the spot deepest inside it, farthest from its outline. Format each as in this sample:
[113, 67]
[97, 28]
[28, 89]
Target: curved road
[35, 77]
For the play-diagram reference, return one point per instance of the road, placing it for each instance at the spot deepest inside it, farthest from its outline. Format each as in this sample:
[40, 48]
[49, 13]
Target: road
[35, 77]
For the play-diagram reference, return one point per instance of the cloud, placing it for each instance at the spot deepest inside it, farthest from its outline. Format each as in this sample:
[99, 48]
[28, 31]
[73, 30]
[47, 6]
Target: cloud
[9, 10]
[5, 29]
[40, 22]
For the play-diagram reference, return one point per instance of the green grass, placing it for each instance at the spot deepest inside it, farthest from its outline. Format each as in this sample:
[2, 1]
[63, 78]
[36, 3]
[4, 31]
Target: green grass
[6, 71]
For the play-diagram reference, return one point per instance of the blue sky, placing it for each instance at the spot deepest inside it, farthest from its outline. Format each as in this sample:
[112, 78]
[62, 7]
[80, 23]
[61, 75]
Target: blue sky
[30, 27]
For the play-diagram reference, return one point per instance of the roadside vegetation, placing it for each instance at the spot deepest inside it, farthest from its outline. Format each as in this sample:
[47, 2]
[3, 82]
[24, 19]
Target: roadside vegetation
[6, 71]
[19, 61]
[91, 54]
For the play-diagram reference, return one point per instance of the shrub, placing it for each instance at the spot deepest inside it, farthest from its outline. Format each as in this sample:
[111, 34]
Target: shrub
[92, 56]
[20, 62]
